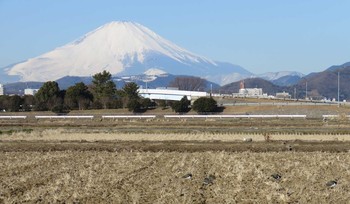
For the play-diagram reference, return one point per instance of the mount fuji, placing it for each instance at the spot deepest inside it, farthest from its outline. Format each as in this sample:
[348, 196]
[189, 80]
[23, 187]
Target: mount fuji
[122, 48]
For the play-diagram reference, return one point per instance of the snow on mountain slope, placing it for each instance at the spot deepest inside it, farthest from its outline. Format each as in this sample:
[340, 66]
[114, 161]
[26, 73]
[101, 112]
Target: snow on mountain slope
[122, 48]
[270, 76]
[154, 72]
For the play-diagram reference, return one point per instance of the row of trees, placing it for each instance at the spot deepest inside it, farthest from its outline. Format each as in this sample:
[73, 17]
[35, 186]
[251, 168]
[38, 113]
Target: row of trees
[101, 94]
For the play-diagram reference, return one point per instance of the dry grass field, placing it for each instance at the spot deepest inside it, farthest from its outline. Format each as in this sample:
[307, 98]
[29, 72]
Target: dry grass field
[60, 134]
[144, 161]
[156, 177]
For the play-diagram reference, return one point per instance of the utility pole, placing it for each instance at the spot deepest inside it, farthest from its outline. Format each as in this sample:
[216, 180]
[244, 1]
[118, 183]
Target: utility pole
[338, 88]
[295, 93]
[306, 92]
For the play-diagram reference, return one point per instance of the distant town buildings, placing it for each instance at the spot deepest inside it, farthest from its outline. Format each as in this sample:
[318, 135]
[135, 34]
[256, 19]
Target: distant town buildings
[2, 90]
[258, 93]
[30, 91]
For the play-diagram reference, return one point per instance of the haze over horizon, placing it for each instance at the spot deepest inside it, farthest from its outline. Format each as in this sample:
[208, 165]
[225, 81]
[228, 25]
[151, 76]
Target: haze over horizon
[261, 36]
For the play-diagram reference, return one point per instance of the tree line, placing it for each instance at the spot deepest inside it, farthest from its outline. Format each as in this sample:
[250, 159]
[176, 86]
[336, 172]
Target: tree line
[103, 94]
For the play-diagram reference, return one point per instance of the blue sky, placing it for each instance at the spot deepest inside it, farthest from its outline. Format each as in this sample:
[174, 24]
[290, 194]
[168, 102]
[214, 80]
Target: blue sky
[261, 36]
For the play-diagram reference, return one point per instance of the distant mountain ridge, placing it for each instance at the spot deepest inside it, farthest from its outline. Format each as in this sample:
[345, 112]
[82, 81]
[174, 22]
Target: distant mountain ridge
[270, 76]
[325, 84]
[122, 48]
[336, 67]
[289, 80]
[282, 78]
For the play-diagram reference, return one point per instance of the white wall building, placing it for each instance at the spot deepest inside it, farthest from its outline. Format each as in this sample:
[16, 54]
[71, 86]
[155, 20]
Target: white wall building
[171, 94]
[30, 91]
[2, 90]
[249, 92]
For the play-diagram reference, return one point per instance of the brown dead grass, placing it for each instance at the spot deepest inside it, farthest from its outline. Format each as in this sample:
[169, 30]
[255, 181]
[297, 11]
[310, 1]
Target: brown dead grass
[145, 177]
[133, 161]
[62, 134]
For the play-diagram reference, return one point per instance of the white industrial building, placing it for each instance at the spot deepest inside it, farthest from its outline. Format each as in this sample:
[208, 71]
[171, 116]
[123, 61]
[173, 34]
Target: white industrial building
[170, 94]
[249, 92]
[30, 91]
[2, 90]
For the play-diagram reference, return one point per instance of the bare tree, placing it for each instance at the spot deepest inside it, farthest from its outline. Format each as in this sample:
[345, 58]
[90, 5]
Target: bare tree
[188, 83]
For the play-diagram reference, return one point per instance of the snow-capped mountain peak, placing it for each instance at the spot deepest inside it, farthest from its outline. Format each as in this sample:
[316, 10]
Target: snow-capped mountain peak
[122, 48]
[127, 38]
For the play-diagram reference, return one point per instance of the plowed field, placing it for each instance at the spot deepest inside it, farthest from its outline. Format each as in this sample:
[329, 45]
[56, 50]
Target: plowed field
[145, 161]
[151, 172]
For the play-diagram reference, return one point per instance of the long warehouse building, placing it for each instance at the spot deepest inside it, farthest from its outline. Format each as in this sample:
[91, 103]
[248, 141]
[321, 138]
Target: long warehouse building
[171, 94]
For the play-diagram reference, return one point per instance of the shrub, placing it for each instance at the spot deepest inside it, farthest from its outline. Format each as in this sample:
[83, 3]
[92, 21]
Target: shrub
[97, 105]
[41, 106]
[162, 104]
[181, 106]
[147, 103]
[61, 109]
[205, 105]
[115, 103]
[134, 105]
